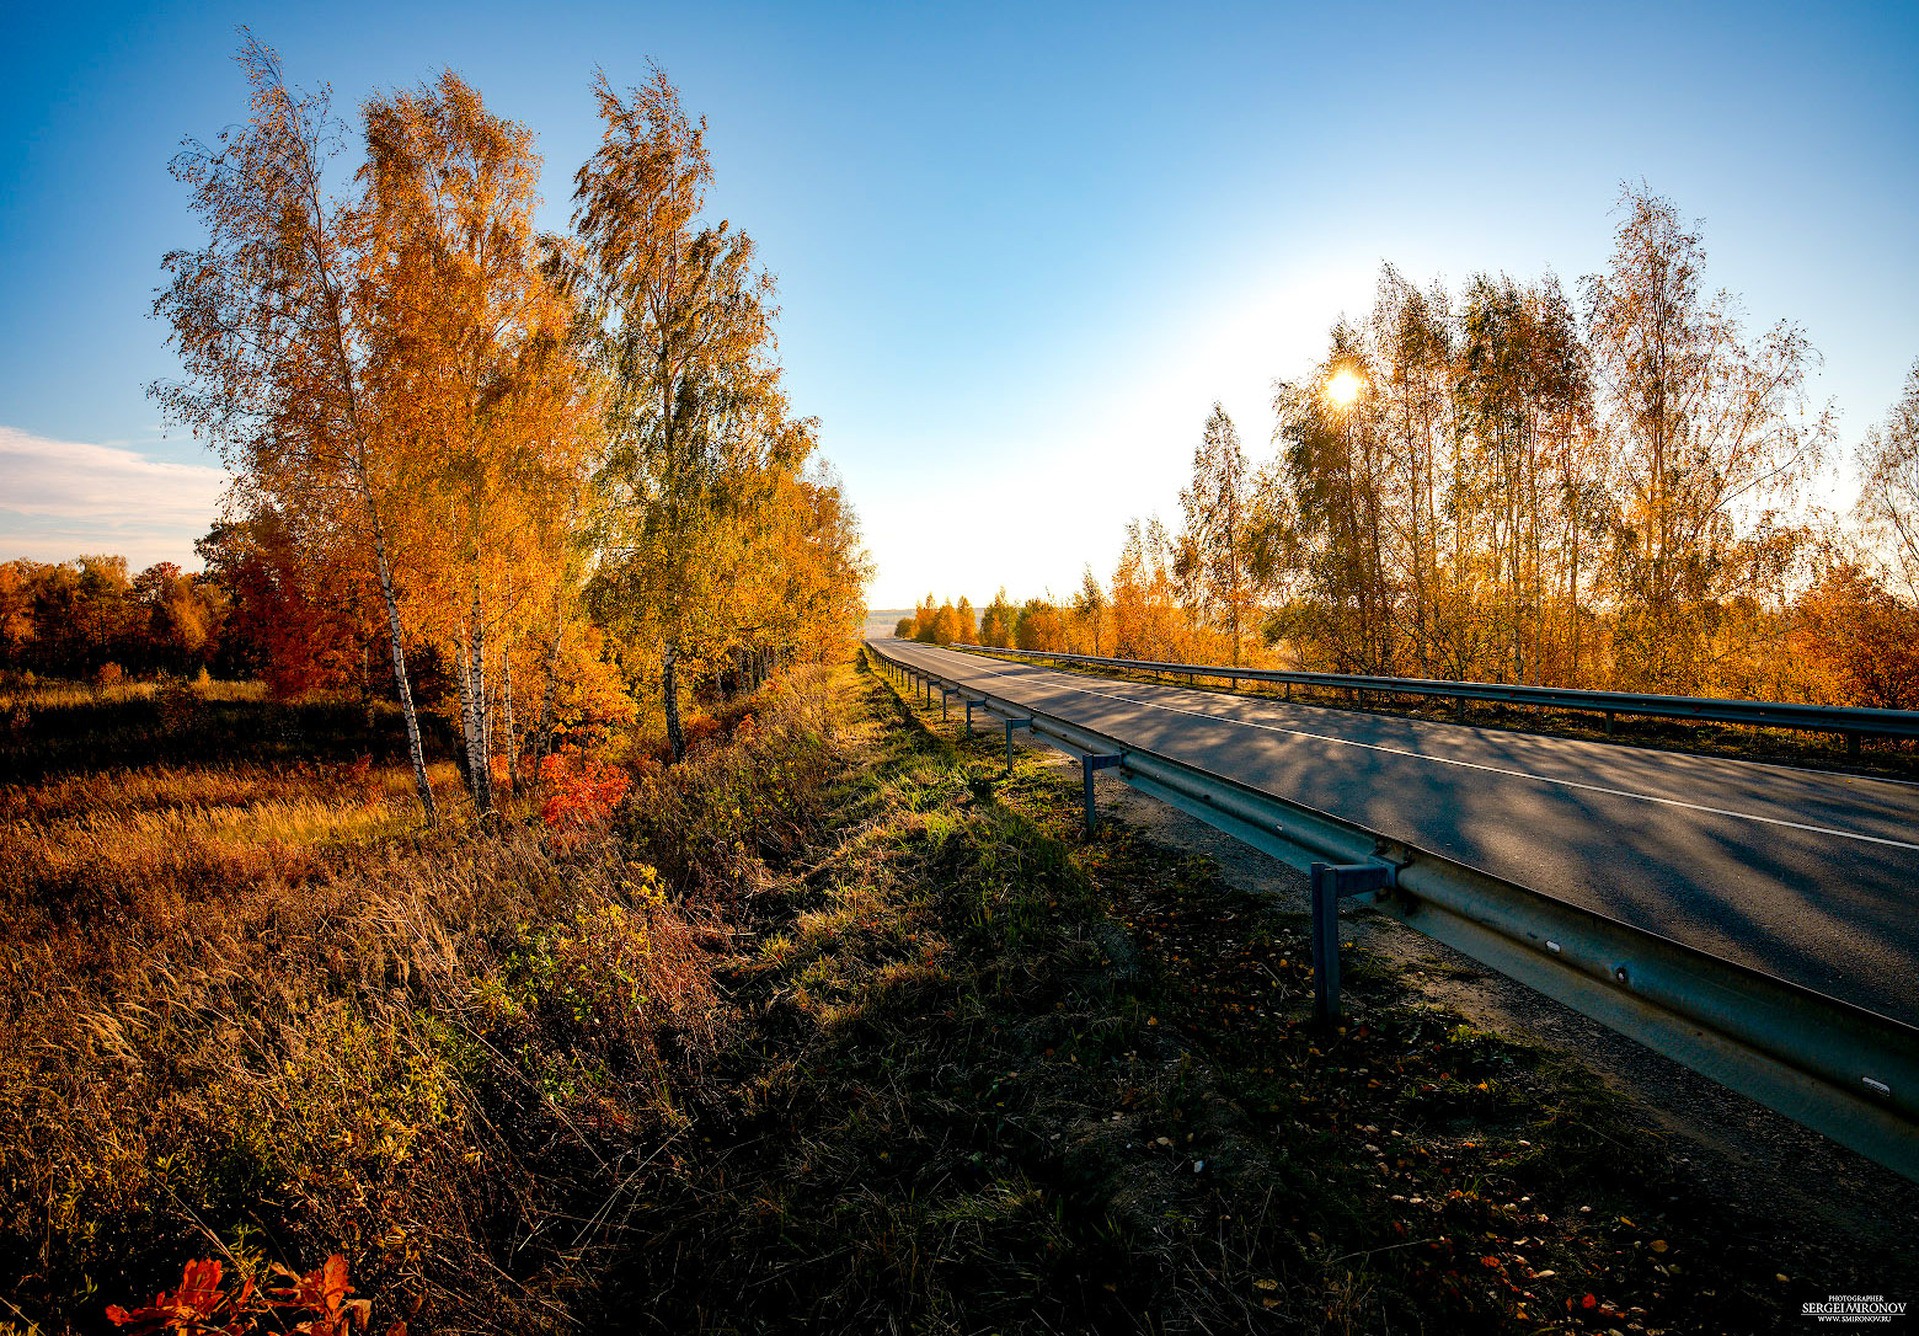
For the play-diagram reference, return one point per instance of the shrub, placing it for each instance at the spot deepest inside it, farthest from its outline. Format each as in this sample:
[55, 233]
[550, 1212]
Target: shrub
[710, 823]
[583, 791]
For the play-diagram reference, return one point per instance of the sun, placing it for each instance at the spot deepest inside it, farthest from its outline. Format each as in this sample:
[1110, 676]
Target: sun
[1343, 386]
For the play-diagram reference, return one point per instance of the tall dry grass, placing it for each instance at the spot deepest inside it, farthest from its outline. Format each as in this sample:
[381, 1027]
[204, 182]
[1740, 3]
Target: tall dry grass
[30, 692]
[247, 1011]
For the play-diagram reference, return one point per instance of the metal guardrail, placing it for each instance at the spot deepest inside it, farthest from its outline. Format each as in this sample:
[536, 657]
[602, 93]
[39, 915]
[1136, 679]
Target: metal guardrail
[1853, 722]
[1846, 1072]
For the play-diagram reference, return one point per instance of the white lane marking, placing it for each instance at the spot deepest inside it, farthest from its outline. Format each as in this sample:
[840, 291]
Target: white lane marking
[1475, 765]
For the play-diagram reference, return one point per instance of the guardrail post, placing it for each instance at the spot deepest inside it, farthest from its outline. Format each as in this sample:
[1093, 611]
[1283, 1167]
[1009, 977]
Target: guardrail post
[1325, 933]
[1088, 764]
[969, 715]
[1330, 883]
[1609, 715]
[1012, 724]
[943, 690]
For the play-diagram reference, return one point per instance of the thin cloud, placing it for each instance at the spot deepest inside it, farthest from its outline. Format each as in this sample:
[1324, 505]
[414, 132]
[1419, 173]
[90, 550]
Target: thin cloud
[62, 498]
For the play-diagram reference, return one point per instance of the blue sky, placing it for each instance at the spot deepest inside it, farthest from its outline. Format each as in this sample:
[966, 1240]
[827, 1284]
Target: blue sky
[1021, 249]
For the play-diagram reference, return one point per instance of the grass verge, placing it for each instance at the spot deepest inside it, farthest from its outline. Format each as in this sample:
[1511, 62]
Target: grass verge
[996, 1077]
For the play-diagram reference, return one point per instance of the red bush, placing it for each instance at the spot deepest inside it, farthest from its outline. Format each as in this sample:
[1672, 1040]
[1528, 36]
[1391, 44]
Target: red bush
[581, 791]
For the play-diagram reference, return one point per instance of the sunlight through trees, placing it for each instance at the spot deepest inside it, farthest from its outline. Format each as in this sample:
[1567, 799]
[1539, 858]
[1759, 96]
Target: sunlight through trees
[1499, 483]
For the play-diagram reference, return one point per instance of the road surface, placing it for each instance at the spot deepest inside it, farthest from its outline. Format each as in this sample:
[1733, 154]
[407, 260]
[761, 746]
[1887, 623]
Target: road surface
[1809, 875]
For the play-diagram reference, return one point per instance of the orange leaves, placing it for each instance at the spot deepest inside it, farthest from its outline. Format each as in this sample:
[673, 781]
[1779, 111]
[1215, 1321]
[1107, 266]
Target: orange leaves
[583, 791]
[202, 1306]
[720, 545]
[1858, 642]
[323, 1295]
[198, 1306]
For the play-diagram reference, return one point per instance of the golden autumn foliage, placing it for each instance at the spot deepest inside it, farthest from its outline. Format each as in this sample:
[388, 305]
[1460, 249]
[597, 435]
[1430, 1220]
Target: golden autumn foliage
[1503, 484]
[726, 546]
[521, 469]
[943, 623]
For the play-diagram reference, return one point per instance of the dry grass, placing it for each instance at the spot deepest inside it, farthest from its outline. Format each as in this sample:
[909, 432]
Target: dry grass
[49, 730]
[58, 692]
[151, 843]
[247, 1011]
[834, 1026]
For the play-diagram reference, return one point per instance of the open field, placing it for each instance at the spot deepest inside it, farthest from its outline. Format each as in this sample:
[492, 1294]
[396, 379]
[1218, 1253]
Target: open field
[835, 1023]
[882, 621]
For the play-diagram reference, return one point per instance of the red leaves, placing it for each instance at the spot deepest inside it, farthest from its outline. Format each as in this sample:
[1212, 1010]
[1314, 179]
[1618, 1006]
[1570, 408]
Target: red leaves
[582, 791]
[323, 1293]
[198, 1308]
[202, 1307]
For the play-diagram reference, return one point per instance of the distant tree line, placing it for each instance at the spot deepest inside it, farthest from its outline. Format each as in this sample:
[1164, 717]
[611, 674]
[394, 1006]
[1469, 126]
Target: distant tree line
[1503, 483]
[76, 619]
[553, 469]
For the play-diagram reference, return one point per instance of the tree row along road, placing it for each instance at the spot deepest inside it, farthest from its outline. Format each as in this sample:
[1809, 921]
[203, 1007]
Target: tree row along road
[1811, 876]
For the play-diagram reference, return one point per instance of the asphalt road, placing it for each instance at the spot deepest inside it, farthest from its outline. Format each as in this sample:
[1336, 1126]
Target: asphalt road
[1808, 875]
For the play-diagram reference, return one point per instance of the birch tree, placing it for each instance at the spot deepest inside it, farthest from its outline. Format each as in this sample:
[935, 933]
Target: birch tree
[1089, 607]
[1216, 532]
[1523, 401]
[1332, 510]
[997, 621]
[272, 321]
[1889, 495]
[473, 351]
[685, 318]
[1710, 431]
[1144, 597]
